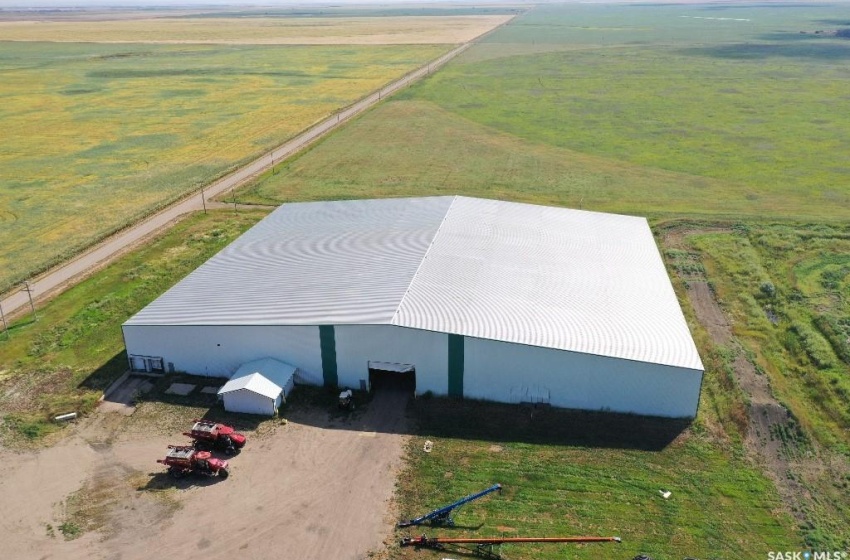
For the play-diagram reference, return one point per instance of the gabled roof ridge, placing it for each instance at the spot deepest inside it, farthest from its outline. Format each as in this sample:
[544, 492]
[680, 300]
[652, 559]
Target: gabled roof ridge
[421, 262]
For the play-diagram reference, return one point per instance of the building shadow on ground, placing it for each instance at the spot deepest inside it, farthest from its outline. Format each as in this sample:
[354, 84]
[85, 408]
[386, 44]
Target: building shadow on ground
[544, 425]
[163, 481]
[102, 377]
[390, 411]
[396, 411]
[138, 388]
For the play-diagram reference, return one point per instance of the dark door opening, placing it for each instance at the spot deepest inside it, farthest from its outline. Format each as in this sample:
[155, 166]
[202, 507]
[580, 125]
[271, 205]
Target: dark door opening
[392, 377]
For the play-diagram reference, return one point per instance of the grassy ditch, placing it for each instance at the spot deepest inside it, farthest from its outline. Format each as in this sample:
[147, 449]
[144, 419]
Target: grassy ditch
[63, 362]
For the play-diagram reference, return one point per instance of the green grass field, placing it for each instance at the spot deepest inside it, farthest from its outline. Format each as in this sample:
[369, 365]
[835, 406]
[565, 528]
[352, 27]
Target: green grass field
[571, 474]
[636, 109]
[96, 135]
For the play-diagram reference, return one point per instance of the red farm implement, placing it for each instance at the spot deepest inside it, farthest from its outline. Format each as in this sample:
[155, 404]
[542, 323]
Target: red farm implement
[183, 460]
[208, 436]
[488, 547]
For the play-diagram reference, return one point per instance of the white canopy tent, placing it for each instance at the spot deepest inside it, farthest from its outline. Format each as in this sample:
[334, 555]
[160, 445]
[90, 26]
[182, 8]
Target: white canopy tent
[258, 387]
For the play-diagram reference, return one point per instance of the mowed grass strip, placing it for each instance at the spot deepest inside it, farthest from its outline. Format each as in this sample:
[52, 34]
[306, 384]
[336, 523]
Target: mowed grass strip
[569, 473]
[63, 361]
[95, 136]
[257, 30]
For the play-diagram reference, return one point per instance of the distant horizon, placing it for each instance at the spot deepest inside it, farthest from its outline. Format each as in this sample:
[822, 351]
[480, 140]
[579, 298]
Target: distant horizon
[106, 4]
[195, 4]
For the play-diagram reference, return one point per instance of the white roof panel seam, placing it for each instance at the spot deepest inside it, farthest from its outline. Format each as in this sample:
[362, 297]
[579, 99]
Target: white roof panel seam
[424, 258]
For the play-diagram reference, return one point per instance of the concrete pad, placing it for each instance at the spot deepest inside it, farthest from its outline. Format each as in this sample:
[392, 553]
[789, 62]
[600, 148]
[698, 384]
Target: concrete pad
[210, 390]
[121, 398]
[181, 389]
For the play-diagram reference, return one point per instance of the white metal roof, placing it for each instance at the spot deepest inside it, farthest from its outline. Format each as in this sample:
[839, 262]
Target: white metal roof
[255, 382]
[553, 277]
[309, 263]
[266, 377]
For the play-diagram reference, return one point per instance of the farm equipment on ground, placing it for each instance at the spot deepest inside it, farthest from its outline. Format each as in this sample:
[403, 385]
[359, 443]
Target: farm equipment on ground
[489, 547]
[346, 400]
[443, 515]
[183, 460]
[208, 436]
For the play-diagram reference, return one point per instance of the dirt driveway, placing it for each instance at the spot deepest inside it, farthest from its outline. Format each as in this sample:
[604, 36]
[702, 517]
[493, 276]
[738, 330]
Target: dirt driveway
[317, 487]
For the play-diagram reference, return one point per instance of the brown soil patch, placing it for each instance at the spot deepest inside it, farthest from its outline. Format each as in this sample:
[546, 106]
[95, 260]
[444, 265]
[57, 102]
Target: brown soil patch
[709, 313]
[291, 489]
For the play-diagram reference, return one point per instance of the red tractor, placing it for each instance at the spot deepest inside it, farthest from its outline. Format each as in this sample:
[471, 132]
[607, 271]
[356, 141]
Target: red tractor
[208, 436]
[184, 460]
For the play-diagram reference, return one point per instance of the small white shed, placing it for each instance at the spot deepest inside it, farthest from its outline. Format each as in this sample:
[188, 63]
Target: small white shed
[258, 387]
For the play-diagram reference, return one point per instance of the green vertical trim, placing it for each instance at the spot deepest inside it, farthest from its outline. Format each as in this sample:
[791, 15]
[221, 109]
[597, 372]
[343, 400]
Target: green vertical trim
[455, 365]
[327, 342]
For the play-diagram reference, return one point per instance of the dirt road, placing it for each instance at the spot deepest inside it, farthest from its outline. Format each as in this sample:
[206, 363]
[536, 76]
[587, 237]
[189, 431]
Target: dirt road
[65, 275]
[315, 488]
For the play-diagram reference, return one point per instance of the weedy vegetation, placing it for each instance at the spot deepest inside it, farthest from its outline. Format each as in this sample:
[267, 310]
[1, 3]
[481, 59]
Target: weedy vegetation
[785, 287]
[63, 361]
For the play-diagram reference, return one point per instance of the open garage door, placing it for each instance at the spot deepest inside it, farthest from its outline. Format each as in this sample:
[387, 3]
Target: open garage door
[392, 376]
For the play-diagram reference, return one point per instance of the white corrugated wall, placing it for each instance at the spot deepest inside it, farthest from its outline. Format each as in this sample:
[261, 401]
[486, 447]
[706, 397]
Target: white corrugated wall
[493, 370]
[248, 402]
[218, 351]
[506, 372]
[357, 345]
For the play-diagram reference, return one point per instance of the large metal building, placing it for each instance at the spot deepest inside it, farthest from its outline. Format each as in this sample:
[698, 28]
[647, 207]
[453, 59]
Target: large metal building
[459, 296]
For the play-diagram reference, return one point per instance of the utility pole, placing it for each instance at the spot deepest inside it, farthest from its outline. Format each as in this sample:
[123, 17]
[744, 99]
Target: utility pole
[5, 326]
[235, 211]
[203, 199]
[28, 289]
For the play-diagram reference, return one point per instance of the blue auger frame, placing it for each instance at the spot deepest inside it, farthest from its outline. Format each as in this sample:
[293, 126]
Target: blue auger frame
[443, 515]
